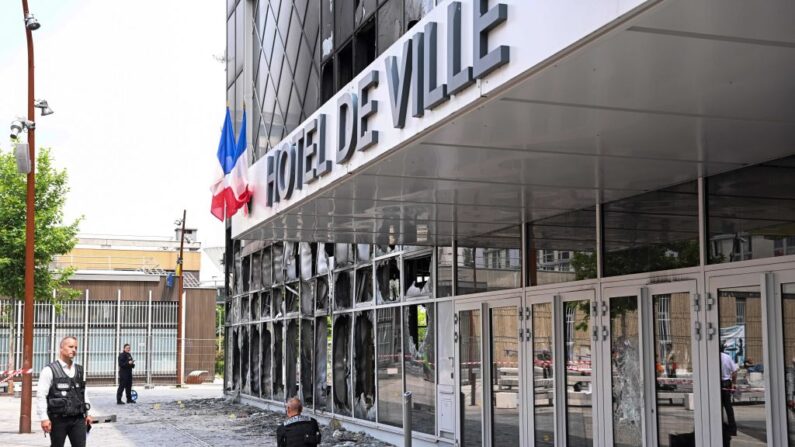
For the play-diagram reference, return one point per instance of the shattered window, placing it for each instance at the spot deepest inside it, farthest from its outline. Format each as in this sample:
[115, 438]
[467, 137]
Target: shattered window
[419, 365]
[291, 358]
[364, 361]
[307, 342]
[265, 303]
[364, 285]
[255, 360]
[387, 280]
[343, 255]
[244, 360]
[323, 363]
[390, 377]
[290, 261]
[278, 343]
[321, 294]
[416, 10]
[363, 252]
[278, 266]
[236, 358]
[245, 307]
[245, 273]
[324, 252]
[343, 289]
[267, 268]
[256, 270]
[417, 274]
[305, 252]
[307, 297]
[342, 365]
[277, 308]
[292, 298]
[265, 369]
[381, 250]
[255, 307]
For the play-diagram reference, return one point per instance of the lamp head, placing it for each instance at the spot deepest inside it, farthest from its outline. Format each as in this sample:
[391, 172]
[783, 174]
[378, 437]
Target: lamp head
[16, 128]
[31, 23]
[45, 108]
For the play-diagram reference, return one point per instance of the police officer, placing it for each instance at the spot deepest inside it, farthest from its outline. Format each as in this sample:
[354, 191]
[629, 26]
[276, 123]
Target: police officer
[126, 365]
[61, 401]
[298, 430]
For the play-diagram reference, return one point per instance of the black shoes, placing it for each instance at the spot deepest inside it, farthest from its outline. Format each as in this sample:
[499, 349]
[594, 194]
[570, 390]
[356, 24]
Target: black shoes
[118, 402]
[130, 401]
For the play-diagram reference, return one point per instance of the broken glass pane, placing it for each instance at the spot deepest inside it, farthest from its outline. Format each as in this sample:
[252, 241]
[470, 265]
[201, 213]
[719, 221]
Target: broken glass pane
[324, 251]
[245, 273]
[255, 360]
[267, 268]
[278, 361]
[277, 309]
[265, 369]
[364, 359]
[236, 359]
[256, 270]
[387, 280]
[363, 253]
[343, 289]
[291, 359]
[265, 299]
[243, 339]
[420, 369]
[307, 342]
[255, 307]
[278, 267]
[390, 378]
[342, 366]
[290, 262]
[307, 297]
[321, 294]
[291, 298]
[245, 308]
[381, 250]
[416, 10]
[364, 285]
[238, 287]
[322, 363]
[418, 277]
[364, 9]
[305, 257]
[343, 255]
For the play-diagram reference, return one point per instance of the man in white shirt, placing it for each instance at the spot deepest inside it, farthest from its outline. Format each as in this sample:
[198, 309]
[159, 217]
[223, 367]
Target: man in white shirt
[61, 402]
[728, 373]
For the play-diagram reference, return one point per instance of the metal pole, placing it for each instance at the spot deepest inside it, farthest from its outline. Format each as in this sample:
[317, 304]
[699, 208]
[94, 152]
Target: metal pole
[179, 302]
[407, 419]
[86, 345]
[27, 350]
[149, 345]
[118, 333]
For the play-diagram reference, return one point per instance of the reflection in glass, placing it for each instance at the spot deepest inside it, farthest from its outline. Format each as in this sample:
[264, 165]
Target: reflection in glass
[577, 352]
[444, 272]
[565, 247]
[471, 378]
[387, 277]
[485, 269]
[788, 316]
[390, 381]
[626, 371]
[673, 368]
[504, 343]
[543, 379]
[741, 340]
[420, 370]
[417, 274]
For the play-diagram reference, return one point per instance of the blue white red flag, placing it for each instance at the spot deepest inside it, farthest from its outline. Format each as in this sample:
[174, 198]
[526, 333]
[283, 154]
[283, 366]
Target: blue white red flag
[231, 189]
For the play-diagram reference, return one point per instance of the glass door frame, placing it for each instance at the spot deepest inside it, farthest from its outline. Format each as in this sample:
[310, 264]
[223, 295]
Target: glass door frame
[529, 365]
[775, 330]
[459, 307]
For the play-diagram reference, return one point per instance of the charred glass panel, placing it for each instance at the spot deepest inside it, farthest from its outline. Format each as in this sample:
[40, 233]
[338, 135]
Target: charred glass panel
[292, 299]
[342, 365]
[564, 247]
[256, 270]
[255, 306]
[486, 269]
[363, 253]
[390, 377]
[343, 289]
[306, 258]
[255, 360]
[416, 10]
[267, 268]
[419, 365]
[444, 272]
[321, 294]
[651, 232]
[236, 359]
[324, 252]
[290, 261]
[307, 343]
[364, 285]
[244, 304]
[323, 363]
[244, 360]
[417, 277]
[388, 280]
[278, 262]
[343, 255]
[246, 272]
[364, 361]
[278, 361]
[307, 297]
[291, 358]
[238, 287]
[265, 299]
[751, 213]
[390, 24]
[265, 369]
[381, 250]
[364, 9]
[277, 309]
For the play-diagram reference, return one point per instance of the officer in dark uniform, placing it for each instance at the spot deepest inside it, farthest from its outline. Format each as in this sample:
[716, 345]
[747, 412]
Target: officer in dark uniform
[126, 365]
[298, 430]
[61, 400]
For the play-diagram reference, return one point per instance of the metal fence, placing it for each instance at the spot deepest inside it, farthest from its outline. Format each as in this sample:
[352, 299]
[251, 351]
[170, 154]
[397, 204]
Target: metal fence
[102, 327]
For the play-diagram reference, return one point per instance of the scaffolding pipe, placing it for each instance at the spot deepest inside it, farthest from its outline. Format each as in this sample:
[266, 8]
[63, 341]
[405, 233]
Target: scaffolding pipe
[407, 419]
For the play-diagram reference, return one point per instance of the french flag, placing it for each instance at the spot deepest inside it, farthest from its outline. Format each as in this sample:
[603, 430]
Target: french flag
[231, 190]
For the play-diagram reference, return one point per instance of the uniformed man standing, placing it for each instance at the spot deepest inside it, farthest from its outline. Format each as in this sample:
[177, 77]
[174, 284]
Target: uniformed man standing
[126, 365]
[61, 401]
[298, 430]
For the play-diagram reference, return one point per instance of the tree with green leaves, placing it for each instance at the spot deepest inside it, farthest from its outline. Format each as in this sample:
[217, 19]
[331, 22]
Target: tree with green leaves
[53, 237]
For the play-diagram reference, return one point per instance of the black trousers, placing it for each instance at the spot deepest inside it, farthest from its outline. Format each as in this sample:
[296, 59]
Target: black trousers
[125, 384]
[726, 402]
[73, 427]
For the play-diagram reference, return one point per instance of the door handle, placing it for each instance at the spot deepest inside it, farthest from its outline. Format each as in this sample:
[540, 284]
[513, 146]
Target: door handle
[697, 331]
[710, 330]
[604, 333]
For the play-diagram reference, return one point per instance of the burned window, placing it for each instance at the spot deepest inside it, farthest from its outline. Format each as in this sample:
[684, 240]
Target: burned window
[324, 252]
[321, 294]
[244, 305]
[255, 307]
[306, 256]
[265, 368]
[387, 280]
[291, 358]
[327, 26]
[245, 273]
[364, 285]
[364, 370]
[238, 276]
[419, 366]
[307, 342]
[278, 361]
[267, 268]
[265, 304]
[255, 360]
[292, 298]
[290, 261]
[307, 297]
[390, 24]
[323, 357]
[236, 359]
[342, 366]
[256, 270]
[416, 10]
[363, 253]
[277, 306]
[278, 263]
[343, 255]
[243, 340]
[381, 250]
[343, 289]
[390, 378]
[363, 10]
[228, 311]
[417, 274]
[343, 20]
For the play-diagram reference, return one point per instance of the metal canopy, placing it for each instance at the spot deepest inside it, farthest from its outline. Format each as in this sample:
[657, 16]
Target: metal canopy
[685, 89]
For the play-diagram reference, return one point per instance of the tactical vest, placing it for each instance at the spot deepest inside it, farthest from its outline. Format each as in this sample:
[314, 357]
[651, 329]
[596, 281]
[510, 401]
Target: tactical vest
[66, 397]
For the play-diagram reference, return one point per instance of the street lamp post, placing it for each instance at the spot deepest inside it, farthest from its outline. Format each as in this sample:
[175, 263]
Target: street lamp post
[179, 301]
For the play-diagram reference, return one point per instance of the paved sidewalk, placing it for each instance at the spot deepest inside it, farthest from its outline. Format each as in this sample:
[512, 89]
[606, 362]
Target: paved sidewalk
[138, 424]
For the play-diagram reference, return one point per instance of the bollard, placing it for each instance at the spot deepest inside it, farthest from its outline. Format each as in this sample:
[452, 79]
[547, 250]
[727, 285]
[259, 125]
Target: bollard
[407, 419]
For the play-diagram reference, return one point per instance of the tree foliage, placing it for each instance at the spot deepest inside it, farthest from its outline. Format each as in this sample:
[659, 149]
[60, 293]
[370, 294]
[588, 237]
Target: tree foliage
[53, 237]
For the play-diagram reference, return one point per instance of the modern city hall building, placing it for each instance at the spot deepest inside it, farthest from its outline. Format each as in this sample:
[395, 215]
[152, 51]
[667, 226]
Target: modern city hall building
[553, 222]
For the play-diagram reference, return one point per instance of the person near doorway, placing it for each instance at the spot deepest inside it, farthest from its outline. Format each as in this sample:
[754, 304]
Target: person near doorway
[126, 365]
[61, 401]
[728, 374]
[298, 430]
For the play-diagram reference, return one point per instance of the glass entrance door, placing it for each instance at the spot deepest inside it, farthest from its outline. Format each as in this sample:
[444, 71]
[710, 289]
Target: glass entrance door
[469, 374]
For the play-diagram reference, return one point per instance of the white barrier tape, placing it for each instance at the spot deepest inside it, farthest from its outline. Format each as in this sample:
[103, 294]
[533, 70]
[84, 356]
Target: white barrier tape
[12, 373]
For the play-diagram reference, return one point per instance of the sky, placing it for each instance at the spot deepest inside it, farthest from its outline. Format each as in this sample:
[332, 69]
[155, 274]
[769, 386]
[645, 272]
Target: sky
[138, 94]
